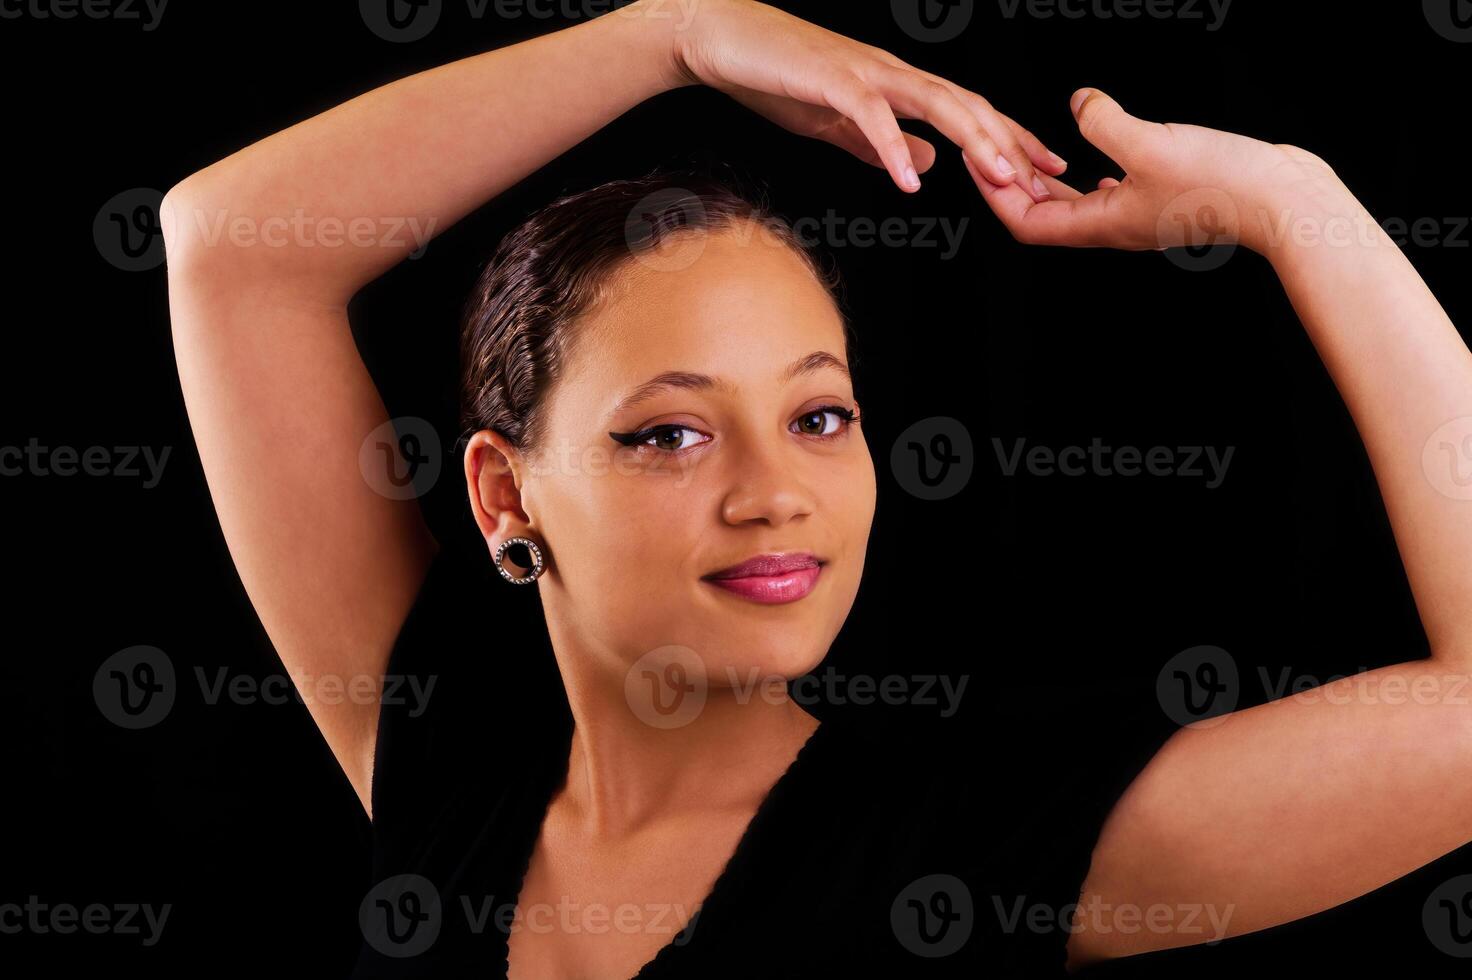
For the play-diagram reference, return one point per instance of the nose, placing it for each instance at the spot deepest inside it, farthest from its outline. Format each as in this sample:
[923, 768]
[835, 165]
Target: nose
[766, 488]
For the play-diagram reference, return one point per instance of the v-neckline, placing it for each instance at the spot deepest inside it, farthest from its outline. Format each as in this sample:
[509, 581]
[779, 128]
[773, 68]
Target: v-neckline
[741, 855]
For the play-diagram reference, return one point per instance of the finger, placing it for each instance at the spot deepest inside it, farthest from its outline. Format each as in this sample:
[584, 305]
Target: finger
[985, 137]
[872, 113]
[1041, 157]
[1127, 140]
[828, 124]
[1082, 220]
[844, 133]
[1060, 190]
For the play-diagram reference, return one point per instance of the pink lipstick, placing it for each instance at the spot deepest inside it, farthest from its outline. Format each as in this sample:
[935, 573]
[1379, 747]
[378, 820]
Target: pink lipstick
[770, 578]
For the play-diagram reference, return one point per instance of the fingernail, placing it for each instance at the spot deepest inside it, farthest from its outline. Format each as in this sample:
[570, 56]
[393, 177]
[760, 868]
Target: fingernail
[912, 179]
[1078, 100]
[1039, 187]
[1004, 166]
[1057, 160]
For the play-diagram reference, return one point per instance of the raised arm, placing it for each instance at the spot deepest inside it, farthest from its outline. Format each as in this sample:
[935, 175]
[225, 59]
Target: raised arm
[267, 246]
[1288, 808]
[278, 398]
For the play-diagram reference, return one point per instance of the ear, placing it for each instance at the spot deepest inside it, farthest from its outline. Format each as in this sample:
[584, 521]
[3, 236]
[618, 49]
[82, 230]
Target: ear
[494, 475]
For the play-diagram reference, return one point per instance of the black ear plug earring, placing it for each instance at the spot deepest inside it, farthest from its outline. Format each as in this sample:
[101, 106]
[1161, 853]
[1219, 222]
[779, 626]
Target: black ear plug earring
[539, 564]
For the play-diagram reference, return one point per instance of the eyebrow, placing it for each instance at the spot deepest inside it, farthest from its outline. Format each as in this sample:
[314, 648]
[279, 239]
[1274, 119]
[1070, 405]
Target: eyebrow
[691, 381]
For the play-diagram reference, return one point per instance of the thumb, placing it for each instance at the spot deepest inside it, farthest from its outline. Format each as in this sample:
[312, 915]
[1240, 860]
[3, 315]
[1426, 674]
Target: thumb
[1124, 138]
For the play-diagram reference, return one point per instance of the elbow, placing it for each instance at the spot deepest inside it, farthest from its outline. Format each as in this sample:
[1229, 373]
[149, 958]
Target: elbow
[181, 246]
[186, 243]
[205, 258]
[221, 236]
[1310, 162]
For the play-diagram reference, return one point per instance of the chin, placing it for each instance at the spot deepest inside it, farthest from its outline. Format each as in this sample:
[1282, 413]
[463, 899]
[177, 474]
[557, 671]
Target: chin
[782, 657]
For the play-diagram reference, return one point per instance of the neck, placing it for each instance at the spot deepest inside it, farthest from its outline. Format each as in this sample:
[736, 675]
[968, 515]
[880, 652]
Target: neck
[625, 773]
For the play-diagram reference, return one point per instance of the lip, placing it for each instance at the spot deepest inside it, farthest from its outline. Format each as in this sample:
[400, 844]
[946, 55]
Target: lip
[770, 578]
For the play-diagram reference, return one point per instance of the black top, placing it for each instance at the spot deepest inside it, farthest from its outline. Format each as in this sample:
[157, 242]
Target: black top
[870, 854]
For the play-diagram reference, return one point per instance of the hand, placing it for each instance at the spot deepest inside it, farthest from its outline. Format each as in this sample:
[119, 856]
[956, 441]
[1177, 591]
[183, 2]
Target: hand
[820, 84]
[1184, 185]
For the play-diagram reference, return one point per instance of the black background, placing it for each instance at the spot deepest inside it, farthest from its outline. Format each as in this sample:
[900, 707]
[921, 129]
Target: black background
[1060, 597]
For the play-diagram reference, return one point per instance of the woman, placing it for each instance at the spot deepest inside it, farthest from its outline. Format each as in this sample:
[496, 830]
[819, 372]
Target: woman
[659, 383]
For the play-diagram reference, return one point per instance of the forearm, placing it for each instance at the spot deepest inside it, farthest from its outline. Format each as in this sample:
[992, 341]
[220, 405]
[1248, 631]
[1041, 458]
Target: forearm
[413, 157]
[1404, 373]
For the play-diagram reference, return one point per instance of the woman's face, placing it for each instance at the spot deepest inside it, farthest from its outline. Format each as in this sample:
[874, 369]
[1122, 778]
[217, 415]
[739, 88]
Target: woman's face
[754, 462]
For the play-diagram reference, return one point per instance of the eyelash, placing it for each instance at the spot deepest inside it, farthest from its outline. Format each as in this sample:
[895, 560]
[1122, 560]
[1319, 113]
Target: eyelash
[641, 438]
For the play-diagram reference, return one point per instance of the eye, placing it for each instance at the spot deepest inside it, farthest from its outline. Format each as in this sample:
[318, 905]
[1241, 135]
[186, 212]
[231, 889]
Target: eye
[825, 422]
[671, 438]
[662, 438]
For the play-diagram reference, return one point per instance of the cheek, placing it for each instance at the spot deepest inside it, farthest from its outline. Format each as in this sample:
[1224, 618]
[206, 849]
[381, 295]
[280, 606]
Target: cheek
[849, 496]
[621, 539]
[849, 491]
